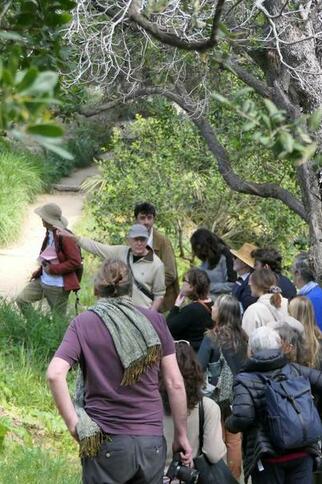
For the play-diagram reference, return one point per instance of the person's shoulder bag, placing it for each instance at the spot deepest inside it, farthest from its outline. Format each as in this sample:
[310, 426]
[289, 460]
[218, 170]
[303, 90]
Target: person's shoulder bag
[209, 473]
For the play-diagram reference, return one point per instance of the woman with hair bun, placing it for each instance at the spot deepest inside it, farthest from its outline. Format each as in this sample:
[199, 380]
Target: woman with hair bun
[270, 307]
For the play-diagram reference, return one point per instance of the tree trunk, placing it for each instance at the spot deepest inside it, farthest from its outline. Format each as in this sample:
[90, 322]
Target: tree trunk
[312, 201]
[298, 91]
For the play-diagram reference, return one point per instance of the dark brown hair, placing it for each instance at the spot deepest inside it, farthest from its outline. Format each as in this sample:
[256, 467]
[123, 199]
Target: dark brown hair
[266, 281]
[113, 279]
[200, 283]
[228, 331]
[207, 246]
[192, 376]
[269, 256]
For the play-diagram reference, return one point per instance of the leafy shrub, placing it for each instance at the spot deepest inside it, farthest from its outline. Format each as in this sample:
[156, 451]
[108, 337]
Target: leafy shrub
[20, 180]
[166, 162]
[83, 142]
[37, 331]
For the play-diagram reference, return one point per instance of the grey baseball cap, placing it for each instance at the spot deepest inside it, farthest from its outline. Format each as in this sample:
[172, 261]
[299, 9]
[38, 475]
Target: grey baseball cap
[138, 230]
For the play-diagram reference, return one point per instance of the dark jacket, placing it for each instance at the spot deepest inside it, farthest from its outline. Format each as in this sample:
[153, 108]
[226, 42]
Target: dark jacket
[248, 409]
[209, 352]
[190, 323]
[288, 288]
[242, 292]
[70, 260]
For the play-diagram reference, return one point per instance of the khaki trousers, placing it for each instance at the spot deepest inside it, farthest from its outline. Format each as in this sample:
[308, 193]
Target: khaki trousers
[234, 454]
[56, 297]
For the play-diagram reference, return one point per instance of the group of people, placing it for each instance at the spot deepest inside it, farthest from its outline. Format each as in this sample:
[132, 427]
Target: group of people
[192, 384]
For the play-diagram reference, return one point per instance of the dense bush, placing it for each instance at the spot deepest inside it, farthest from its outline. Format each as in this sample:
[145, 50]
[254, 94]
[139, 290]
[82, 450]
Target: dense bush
[83, 141]
[166, 162]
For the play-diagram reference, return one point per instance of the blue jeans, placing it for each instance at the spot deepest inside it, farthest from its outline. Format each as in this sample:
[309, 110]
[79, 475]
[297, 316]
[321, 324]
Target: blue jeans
[127, 460]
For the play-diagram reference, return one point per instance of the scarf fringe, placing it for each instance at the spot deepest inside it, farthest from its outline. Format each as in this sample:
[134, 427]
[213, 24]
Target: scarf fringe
[90, 446]
[133, 373]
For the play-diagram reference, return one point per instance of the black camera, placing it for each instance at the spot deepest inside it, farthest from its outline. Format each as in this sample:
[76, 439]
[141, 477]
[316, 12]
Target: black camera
[183, 473]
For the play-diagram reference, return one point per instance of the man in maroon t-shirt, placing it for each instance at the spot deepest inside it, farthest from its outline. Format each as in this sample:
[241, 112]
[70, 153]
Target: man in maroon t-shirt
[130, 414]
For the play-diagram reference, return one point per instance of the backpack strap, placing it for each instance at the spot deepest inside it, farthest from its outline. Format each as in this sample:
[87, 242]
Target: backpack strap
[138, 284]
[201, 424]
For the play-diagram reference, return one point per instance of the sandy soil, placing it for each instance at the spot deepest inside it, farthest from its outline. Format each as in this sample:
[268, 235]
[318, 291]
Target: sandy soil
[19, 260]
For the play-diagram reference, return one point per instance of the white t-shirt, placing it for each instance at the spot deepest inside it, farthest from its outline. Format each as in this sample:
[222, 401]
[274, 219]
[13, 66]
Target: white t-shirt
[49, 279]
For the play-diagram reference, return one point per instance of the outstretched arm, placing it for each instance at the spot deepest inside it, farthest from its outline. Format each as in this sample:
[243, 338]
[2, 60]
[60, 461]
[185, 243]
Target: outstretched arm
[96, 248]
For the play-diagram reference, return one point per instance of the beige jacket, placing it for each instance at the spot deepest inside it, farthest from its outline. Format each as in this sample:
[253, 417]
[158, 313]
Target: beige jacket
[148, 271]
[213, 444]
[262, 312]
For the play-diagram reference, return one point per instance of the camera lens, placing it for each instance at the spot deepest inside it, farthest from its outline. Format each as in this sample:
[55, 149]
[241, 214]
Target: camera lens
[188, 475]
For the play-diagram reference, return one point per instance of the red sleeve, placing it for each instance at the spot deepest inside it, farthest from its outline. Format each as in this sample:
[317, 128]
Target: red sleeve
[73, 258]
[70, 348]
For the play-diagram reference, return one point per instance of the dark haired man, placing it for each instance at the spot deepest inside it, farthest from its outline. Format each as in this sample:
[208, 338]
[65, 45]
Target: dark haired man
[145, 214]
[269, 258]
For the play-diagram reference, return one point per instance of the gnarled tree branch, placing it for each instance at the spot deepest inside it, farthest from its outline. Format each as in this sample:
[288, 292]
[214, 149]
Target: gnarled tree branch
[172, 39]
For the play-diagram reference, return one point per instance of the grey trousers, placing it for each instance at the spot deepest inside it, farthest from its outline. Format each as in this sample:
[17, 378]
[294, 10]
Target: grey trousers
[127, 460]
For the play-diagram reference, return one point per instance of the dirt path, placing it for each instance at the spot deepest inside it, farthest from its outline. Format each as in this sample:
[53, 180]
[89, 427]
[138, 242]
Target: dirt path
[19, 260]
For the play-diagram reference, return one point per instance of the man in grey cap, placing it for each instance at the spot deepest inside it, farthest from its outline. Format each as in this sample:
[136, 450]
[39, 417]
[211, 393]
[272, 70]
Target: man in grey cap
[146, 267]
[60, 264]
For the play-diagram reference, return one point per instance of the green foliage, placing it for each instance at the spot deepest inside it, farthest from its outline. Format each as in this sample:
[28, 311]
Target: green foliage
[36, 465]
[30, 53]
[166, 162]
[3, 431]
[37, 332]
[271, 128]
[37, 447]
[83, 141]
[20, 181]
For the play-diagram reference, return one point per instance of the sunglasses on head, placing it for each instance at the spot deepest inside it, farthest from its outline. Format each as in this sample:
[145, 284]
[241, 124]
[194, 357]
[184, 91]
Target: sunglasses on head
[184, 341]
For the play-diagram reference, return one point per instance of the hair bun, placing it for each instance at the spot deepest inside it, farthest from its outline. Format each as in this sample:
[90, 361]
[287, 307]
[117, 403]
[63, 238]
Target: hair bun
[275, 290]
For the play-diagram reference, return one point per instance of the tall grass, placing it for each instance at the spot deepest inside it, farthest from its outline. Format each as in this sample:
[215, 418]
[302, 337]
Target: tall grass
[37, 331]
[35, 465]
[37, 447]
[20, 180]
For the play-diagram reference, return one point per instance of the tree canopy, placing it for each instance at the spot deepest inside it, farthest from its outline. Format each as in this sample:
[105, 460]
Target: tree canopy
[185, 52]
